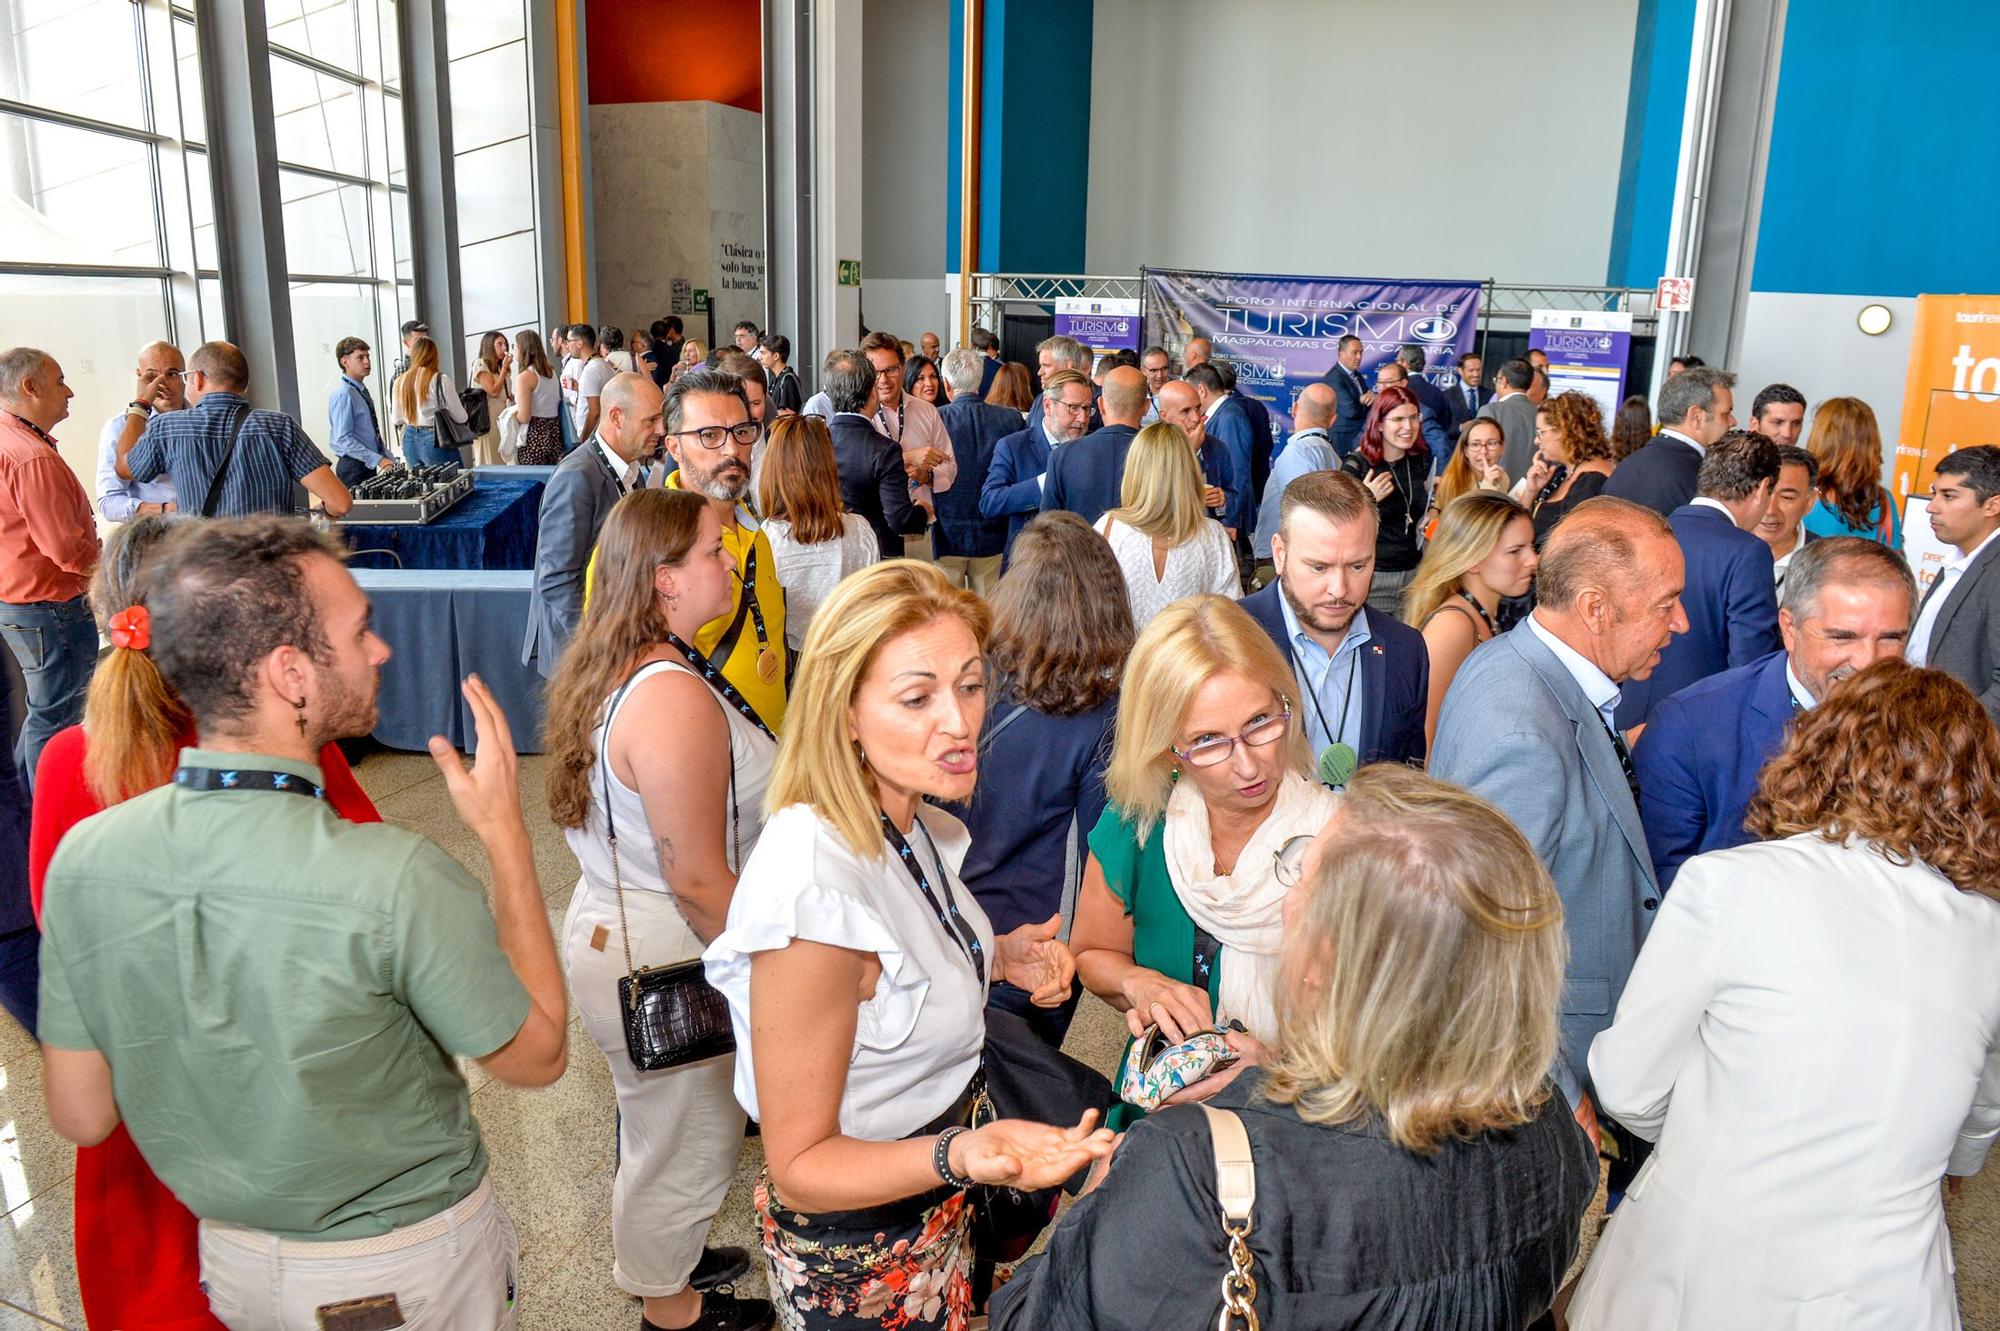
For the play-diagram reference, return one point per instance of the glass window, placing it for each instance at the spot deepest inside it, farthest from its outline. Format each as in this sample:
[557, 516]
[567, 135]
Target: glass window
[489, 97]
[472, 26]
[317, 119]
[201, 205]
[399, 231]
[213, 326]
[79, 196]
[496, 282]
[187, 72]
[496, 192]
[326, 226]
[78, 56]
[322, 29]
[322, 314]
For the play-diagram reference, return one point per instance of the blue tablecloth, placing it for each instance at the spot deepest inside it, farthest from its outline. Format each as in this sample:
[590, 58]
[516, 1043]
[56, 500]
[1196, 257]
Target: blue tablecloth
[442, 625]
[494, 527]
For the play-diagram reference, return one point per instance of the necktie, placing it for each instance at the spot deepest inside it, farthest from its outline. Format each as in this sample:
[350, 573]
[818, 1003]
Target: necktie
[373, 429]
[1624, 758]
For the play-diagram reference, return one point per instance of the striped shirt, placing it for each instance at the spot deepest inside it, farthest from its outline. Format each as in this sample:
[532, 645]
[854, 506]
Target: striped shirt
[272, 456]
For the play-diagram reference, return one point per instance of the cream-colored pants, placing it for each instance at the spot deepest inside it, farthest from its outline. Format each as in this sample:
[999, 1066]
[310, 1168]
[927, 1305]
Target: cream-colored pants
[680, 1130]
[453, 1271]
[980, 574]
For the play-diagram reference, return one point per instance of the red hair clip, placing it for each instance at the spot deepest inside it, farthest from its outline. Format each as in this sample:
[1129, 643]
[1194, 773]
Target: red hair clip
[132, 627]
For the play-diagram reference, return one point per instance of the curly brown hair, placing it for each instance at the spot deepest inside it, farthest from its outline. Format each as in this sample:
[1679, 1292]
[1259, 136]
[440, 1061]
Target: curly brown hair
[1579, 422]
[1903, 758]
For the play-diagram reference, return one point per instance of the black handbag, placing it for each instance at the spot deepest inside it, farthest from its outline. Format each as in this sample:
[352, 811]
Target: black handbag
[672, 1014]
[478, 411]
[451, 432]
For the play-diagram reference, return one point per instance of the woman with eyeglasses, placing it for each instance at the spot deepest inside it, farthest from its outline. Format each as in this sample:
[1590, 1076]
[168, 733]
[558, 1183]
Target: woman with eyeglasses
[1569, 437]
[1475, 465]
[1178, 922]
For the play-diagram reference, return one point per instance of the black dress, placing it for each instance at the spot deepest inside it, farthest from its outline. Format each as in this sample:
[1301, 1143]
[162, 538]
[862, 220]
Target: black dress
[1587, 485]
[1349, 1230]
[1401, 514]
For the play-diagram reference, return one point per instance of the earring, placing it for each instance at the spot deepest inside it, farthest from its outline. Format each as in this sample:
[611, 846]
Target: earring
[300, 708]
[862, 754]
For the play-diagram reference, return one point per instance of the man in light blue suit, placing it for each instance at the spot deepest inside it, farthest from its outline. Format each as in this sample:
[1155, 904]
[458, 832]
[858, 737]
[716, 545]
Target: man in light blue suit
[1527, 724]
[1700, 756]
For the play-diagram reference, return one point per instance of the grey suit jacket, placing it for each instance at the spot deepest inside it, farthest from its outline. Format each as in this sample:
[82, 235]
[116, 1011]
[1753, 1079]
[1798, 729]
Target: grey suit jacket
[1517, 422]
[575, 503]
[1517, 729]
[1965, 641]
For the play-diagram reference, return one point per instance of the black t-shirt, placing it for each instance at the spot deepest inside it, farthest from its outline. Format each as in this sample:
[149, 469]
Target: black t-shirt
[1401, 512]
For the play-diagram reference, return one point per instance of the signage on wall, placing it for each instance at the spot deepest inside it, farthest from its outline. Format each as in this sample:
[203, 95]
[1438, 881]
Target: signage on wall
[683, 296]
[850, 272]
[1674, 293]
[701, 300]
[1951, 397]
[1587, 351]
[1101, 325]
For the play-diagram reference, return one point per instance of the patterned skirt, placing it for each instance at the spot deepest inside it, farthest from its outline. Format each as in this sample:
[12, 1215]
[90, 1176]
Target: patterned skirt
[884, 1269]
[542, 445]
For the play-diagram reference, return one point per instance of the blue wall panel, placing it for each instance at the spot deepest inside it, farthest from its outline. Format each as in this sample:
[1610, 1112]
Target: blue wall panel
[1662, 40]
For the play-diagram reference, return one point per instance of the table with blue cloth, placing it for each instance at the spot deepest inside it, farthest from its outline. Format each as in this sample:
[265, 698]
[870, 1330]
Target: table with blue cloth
[494, 527]
[442, 625]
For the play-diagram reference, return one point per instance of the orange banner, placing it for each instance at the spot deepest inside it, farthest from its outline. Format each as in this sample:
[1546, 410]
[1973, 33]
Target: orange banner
[1951, 399]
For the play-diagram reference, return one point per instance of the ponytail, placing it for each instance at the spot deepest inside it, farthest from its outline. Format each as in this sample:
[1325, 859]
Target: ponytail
[135, 723]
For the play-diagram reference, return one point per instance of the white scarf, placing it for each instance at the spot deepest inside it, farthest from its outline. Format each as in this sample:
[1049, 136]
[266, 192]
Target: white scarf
[1242, 910]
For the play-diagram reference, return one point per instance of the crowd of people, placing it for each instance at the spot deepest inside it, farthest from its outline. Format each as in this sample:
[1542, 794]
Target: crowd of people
[1459, 791]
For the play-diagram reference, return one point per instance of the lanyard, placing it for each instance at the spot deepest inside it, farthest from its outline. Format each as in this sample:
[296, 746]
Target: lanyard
[882, 415]
[948, 914]
[1492, 629]
[1346, 698]
[721, 685]
[218, 778]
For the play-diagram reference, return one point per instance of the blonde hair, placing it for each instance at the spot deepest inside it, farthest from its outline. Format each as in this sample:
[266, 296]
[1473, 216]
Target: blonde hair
[412, 384]
[1468, 529]
[1422, 975]
[1162, 488]
[1186, 645]
[818, 763]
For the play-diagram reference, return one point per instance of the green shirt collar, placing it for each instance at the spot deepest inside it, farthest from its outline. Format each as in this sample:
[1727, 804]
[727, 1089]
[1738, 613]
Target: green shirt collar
[252, 762]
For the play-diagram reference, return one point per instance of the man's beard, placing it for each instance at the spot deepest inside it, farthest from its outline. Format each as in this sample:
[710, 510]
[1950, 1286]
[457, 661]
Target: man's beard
[1306, 614]
[728, 482]
[345, 711]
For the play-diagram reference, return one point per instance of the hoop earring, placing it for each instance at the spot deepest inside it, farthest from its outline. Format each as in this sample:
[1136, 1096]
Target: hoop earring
[862, 754]
[300, 708]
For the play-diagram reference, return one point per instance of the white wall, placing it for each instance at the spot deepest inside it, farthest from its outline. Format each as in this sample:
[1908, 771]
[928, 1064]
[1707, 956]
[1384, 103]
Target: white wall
[1294, 104]
[1812, 343]
[906, 57]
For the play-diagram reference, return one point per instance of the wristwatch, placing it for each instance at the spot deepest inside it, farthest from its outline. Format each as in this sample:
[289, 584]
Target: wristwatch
[137, 409]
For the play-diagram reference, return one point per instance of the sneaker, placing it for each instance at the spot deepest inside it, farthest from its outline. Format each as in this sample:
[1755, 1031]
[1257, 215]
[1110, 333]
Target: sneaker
[724, 1312]
[719, 1267]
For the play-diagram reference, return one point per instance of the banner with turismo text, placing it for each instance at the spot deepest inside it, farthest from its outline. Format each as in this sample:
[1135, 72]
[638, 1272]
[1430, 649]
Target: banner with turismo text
[1951, 397]
[1588, 351]
[1281, 333]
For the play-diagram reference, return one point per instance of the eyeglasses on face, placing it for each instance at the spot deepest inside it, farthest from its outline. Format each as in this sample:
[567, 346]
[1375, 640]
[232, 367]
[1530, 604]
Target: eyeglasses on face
[1288, 861]
[712, 436]
[1217, 748]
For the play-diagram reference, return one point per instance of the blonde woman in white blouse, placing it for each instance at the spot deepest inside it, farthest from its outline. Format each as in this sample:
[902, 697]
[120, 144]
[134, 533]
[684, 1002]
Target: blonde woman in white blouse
[814, 541]
[1166, 544]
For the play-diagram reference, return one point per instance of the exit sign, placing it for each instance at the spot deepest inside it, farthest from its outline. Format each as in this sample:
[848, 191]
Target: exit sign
[850, 272]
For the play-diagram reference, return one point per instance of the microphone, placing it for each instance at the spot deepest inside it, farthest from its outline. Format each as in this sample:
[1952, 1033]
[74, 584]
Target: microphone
[1336, 764]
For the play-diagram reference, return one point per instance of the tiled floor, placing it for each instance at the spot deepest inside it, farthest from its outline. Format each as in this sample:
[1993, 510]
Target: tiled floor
[551, 1149]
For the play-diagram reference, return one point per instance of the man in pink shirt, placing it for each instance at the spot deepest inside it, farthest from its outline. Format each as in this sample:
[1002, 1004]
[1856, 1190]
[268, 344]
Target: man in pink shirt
[48, 547]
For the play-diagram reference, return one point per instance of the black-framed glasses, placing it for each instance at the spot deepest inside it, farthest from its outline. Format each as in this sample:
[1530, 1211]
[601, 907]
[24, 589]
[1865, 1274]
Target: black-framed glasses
[1289, 860]
[1217, 748]
[711, 436]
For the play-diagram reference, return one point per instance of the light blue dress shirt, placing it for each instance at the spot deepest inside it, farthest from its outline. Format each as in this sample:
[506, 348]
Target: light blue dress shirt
[1306, 450]
[356, 433]
[1331, 684]
[119, 499]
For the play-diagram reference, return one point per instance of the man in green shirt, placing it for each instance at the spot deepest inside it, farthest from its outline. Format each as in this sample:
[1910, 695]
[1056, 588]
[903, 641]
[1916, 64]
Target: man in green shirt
[272, 998]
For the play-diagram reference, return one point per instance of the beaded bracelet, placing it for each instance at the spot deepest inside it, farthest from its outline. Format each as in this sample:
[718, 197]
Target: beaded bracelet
[941, 1160]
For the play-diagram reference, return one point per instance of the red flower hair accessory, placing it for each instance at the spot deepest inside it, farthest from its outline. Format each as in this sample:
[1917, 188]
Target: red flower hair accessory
[132, 627]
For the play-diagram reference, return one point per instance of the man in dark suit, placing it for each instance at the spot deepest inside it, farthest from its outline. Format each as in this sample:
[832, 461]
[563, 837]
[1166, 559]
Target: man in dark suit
[1224, 489]
[1087, 477]
[1351, 395]
[1847, 605]
[1263, 444]
[1958, 625]
[1224, 422]
[1730, 596]
[1014, 479]
[968, 542]
[1696, 408]
[873, 480]
[578, 497]
[1430, 400]
[1515, 410]
[987, 345]
[1466, 395]
[1053, 354]
[1363, 679]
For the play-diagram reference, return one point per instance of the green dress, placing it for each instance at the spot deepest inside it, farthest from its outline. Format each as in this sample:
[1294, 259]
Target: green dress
[1163, 934]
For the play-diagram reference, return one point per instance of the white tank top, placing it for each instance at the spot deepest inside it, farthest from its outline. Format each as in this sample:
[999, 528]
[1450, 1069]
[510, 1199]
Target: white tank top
[638, 861]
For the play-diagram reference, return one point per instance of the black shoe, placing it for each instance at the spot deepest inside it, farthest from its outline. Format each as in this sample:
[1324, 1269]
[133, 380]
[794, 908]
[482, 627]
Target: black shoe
[723, 1312]
[719, 1267]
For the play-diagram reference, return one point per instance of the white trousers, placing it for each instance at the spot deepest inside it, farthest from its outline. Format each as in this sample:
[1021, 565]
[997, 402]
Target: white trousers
[680, 1130]
[454, 1270]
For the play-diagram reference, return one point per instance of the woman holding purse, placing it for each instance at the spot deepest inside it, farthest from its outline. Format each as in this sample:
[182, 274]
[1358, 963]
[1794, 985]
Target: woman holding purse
[856, 967]
[658, 777]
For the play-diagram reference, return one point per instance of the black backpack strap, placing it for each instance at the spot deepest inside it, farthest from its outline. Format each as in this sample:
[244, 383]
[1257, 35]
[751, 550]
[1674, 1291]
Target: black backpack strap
[222, 468]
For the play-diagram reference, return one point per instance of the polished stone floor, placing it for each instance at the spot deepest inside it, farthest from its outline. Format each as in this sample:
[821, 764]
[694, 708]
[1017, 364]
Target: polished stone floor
[551, 1149]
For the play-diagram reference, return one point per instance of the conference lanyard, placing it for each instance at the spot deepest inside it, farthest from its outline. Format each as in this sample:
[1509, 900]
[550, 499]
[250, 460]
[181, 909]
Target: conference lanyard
[1346, 697]
[720, 684]
[955, 924]
[882, 415]
[223, 778]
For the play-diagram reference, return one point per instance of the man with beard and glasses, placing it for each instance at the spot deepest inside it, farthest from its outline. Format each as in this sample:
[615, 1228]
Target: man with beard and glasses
[1020, 467]
[1364, 680]
[1848, 603]
[710, 436]
[579, 495]
[281, 997]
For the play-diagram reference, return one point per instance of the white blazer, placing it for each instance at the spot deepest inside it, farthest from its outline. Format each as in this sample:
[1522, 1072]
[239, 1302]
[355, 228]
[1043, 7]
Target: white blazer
[1811, 1034]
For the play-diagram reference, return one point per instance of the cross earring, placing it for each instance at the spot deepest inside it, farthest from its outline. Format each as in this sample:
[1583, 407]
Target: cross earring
[300, 708]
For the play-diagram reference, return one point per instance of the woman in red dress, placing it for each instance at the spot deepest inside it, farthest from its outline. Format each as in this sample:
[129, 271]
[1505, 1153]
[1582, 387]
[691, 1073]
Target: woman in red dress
[136, 1264]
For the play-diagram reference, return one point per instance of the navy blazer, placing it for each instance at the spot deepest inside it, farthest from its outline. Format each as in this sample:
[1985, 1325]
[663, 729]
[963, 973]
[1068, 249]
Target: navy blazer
[873, 483]
[1395, 679]
[1263, 446]
[1661, 475]
[1350, 412]
[1459, 410]
[988, 372]
[964, 528]
[1699, 758]
[1731, 600]
[1012, 488]
[1087, 477]
[1230, 427]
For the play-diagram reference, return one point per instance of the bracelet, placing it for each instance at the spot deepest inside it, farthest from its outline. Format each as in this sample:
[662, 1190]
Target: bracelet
[137, 409]
[941, 1160]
